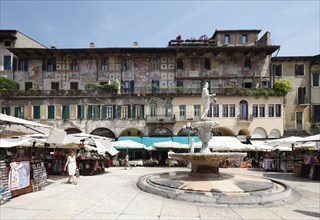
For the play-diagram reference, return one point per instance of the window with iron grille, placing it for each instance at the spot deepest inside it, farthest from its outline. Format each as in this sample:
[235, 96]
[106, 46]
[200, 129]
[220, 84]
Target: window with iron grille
[232, 110]
[262, 110]
[215, 108]
[299, 69]
[270, 110]
[254, 110]
[278, 110]
[225, 110]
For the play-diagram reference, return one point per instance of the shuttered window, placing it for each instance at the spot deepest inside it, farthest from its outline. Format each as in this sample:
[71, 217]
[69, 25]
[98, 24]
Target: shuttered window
[65, 112]
[51, 112]
[36, 112]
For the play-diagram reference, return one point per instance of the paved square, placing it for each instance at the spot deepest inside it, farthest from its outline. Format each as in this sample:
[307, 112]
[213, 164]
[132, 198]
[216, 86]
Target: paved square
[114, 195]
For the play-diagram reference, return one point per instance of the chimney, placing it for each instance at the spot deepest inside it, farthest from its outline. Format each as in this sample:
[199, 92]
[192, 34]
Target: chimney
[91, 45]
[135, 44]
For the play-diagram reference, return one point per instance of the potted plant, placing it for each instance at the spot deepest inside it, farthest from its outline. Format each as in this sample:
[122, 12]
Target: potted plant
[179, 89]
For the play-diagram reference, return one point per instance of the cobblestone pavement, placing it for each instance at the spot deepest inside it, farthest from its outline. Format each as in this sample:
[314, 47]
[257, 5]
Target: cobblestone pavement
[114, 195]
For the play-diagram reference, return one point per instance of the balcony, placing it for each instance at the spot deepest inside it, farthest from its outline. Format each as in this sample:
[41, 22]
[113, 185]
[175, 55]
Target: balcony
[140, 91]
[245, 119]
[160, 119]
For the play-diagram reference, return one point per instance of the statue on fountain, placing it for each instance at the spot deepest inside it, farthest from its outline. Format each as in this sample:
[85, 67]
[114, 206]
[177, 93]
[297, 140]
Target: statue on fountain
[205, 101]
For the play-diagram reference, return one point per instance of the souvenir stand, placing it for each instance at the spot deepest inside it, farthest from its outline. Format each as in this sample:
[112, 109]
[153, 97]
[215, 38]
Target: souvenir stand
[22, 171]
[55, 161]
[90, 162]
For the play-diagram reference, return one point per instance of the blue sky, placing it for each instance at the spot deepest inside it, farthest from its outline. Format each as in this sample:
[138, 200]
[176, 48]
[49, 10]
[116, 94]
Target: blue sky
[294, 25]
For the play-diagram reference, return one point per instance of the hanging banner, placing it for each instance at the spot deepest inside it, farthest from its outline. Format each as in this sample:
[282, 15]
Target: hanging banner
[19, 175]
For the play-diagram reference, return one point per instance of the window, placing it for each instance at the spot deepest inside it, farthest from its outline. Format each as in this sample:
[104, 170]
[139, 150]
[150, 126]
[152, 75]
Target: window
[207, 64]
[155, 63]
[226, 39]
[255, 110]
[155, 85]
[138, 112]
[23, 65]
[225, 110]
[109, 112]
[65, 112]
[182, 112]
[74, 85]
[19, 112]
[244, 39]
[168, 110]
[262, 110]
[51, 64]
[277, 69]
[6, 110]
[51, 112]
[74, 65]
[153, 110]
[124, 112]
[278, 110]
[28, 85]
[299, 69]
[179, 64]
[247, 85]
[6, 62]
[126, 64]
[54, 85]
[215, 108]
[197, 112]
[247, 64]
[315, 79]
[271, 110]
[36, 112]
[315, 113]
[80, 111]
[94, 112]
[232, 110]
[301, 95]
[104, 64]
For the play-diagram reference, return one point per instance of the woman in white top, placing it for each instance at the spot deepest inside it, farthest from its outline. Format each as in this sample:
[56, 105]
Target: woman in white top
[72, 166]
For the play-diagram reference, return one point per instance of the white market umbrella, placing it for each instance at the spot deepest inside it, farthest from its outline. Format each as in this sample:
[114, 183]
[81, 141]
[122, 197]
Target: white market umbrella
[170, 144]
[223, 143]
[312, 138]
[62, 139]
[127, 144]
[287, 140]
[14, 124]
[105, 146]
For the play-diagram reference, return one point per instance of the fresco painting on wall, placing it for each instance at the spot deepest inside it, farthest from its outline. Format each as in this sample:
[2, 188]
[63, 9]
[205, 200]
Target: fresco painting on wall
[35, 72]
[88, 71]
[74, 75]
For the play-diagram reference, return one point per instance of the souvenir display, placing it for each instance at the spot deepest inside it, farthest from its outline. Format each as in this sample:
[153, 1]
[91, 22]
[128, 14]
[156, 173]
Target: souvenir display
[5, 193]
[39, 176]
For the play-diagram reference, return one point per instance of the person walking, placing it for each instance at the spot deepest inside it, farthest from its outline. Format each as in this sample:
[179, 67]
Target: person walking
[126, 162]
[72, 166]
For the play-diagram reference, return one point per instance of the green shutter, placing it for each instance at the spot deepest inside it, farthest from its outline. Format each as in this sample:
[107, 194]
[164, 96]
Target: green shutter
[97, 112]
[65, 112]
[80, 112]
[104, 112]
[129, 111]
[114, 111]
[16, 111]
[51, 112]
[142, 112]
[89, 111]
[134, 111]
[36, 112]
[118, 111]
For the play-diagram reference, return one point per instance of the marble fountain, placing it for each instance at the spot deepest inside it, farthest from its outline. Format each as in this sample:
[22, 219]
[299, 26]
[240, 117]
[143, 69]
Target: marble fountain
[204, 183]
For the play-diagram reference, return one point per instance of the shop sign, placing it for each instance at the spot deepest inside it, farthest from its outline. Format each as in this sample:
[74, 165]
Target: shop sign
[160, 131]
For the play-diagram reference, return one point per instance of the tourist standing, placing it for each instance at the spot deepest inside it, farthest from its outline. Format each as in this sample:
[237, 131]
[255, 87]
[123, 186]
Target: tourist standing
[126, 162]
[72, 166]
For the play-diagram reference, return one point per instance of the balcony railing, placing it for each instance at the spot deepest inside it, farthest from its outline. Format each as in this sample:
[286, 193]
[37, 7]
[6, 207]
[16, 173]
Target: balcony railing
[160, 119]
[139, 91]
[248, 118]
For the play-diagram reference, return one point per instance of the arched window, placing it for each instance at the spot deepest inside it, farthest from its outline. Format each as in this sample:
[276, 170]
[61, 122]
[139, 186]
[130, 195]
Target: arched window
[243, 110]
[168, 110]
[153, 110]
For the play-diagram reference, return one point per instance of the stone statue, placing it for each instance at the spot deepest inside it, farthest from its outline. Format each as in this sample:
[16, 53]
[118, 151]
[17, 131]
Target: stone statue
[205, 101]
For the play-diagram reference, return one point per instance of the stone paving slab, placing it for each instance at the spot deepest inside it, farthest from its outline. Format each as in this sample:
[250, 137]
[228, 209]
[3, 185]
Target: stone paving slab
[114, 195]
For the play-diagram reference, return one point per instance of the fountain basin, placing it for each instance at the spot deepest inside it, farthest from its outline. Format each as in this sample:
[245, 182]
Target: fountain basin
[206, 164]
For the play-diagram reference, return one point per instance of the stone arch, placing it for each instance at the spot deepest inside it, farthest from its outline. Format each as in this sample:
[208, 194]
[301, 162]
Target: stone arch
[274, 133]
[131, 132]
[223, 131]
[244, 131]
[73, 130]
[103, 132]
[259, 133]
